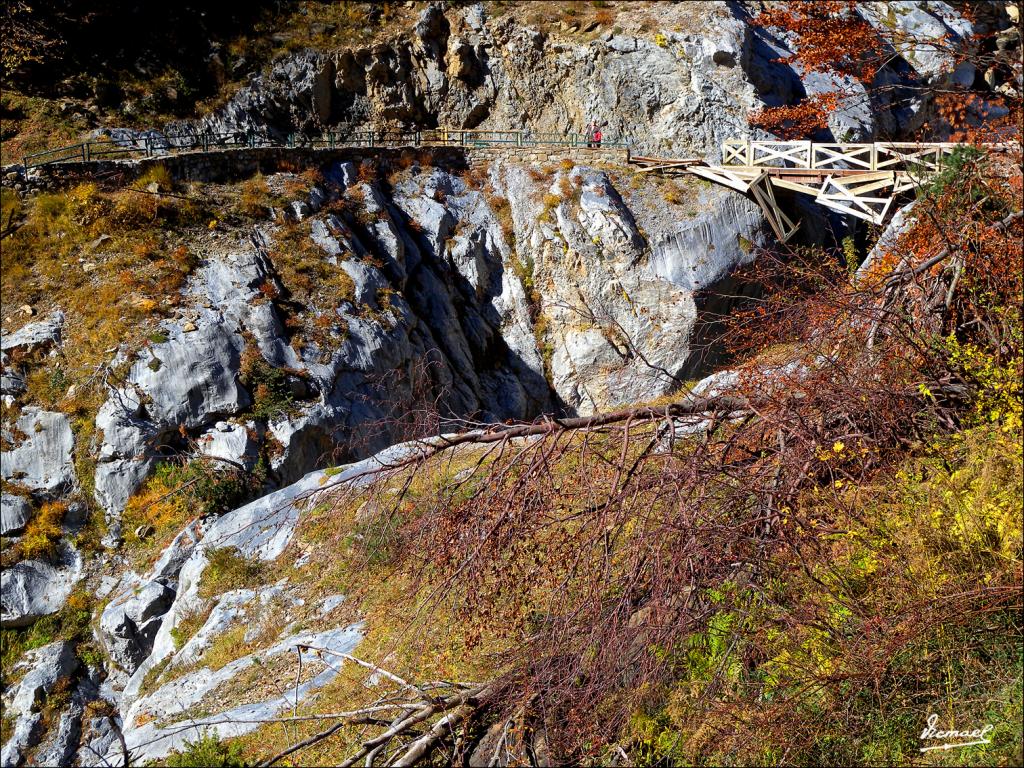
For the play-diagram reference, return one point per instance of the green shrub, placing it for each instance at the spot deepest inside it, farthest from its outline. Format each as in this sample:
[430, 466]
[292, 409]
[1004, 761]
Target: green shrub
[228, 569]
[953, 168]
[71, 623]
[271, 394]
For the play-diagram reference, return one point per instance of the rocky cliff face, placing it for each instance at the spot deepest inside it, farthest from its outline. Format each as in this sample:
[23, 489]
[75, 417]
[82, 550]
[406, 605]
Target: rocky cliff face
[502, 291]
[674, 91]
[372, 302]
[681, 88]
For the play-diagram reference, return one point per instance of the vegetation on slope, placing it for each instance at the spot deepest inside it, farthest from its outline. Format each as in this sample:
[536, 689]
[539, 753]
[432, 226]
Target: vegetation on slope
[829, 554]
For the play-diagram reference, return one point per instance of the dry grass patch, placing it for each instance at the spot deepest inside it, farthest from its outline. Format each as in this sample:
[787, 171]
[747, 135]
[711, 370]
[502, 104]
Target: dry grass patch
[42, 532]
[113, 260]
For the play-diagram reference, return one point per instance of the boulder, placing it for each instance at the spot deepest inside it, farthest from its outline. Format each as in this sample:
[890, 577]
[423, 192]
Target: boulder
[130, 621]
[33, 588]
[15, 511]
[26, 732]
[35, 336]
[230, 442]
[297, 210]
[97, 740]
[322, 236]
[198, 376]
[129, 624]
[605, 220]
[174, 556]
[12, 383]
[924, 34]
[195, 383]
[61, 743]
[853, 120]
[42, 460]
[116, 480]
[45, 665]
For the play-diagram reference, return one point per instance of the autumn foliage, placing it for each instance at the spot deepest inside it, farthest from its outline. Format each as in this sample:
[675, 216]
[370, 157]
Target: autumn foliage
[756, 572]
[832, 37]
[798, 120]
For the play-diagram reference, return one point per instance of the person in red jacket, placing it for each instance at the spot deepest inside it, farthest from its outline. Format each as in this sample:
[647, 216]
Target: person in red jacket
[597, 138]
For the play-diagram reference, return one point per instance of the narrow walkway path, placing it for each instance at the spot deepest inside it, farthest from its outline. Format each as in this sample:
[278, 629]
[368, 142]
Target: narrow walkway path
[861, 180]
[156, 144]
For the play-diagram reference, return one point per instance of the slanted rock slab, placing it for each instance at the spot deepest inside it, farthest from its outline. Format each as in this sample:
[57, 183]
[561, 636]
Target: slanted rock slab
[32, 589]
[42, 461]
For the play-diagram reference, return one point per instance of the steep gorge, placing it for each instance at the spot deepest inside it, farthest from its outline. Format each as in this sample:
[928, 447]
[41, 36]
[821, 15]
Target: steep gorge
[205, 353]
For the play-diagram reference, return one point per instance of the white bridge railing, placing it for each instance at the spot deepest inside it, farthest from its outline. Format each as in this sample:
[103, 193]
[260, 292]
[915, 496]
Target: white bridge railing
[877, 156]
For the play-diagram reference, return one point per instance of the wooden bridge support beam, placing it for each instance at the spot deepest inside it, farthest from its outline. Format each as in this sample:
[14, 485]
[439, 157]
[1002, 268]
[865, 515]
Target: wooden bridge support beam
[783, 226]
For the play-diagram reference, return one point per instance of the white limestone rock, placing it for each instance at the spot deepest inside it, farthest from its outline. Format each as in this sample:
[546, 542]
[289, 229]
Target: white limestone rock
[193, 382]
[129, 623]
[230, 442]
[920, 31]
[899, 225]
[149, 741]
[34, 588]
[15, 511]
[42, 461]
[38, 335]
[45, 665]
[197, 378]
[26, 732]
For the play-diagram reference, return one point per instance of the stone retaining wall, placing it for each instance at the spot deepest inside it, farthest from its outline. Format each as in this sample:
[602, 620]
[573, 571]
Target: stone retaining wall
[550, 154]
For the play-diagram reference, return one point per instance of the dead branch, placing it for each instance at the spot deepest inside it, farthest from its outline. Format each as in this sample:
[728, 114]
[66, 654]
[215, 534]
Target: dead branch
[442, 727]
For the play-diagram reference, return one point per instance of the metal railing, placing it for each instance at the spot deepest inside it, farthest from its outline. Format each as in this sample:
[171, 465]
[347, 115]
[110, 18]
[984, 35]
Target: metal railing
[160, 145]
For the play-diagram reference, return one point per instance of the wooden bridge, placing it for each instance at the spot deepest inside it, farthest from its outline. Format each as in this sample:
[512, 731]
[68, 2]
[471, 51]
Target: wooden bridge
[857, 179]
[861, 180]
